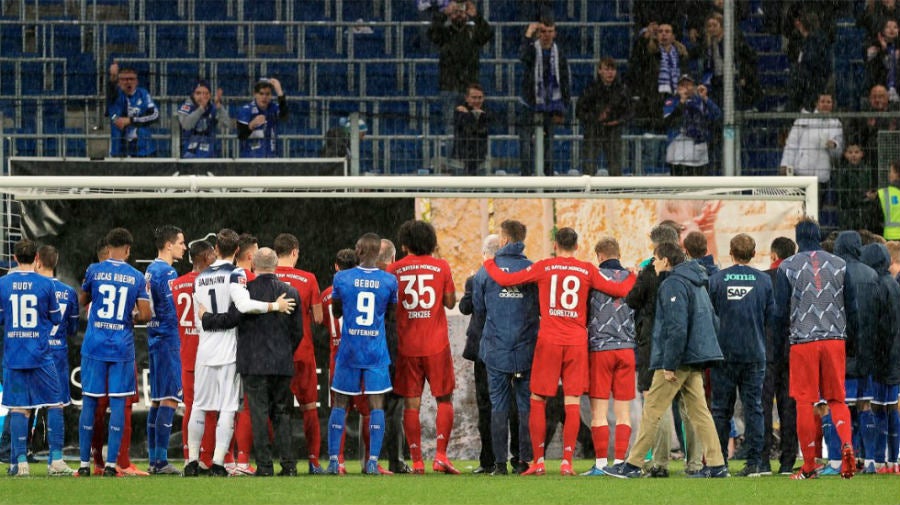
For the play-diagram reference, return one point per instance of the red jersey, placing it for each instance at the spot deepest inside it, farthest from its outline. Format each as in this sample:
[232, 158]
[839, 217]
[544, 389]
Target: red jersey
[421, 319]
[183, 294]
[250, 274]
[331, 324]
[564, 286]
[308, 287]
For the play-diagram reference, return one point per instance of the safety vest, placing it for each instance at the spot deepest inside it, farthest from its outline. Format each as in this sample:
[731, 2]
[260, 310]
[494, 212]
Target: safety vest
[890, 206]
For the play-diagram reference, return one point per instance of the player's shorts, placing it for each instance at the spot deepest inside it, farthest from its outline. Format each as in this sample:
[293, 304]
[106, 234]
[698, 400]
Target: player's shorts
[411, 372]
[102, 378]
[31, 388]
[217, 388]
[353, 381]
[305, 383]
[817, 371]
[61, 362]
[612, 371]
[553, 362]
[884, 394]
[858, 389]
[165, 374]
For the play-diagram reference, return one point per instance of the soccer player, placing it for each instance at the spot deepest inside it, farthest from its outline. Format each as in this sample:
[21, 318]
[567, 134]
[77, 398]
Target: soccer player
[163, 343]
[118, 296]
[305, 382]
[248, 245]
[424, 342]
[611, 360]
[28, 310]
[217, 386]
[364, 295]
[743, 300]
[564, 283]
[815, 304]
[202, 256]
[45, 264]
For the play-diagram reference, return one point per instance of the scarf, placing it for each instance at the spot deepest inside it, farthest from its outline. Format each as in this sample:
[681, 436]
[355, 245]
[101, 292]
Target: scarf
[668, 70]
[892, 66]
[546, 99]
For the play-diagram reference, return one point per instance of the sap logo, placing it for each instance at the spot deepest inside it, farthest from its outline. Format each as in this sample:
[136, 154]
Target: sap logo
[739, 292]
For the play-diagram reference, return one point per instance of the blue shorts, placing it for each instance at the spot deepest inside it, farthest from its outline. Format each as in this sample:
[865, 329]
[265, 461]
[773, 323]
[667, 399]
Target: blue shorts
[858, 389]
[31, 388]
[353, 381]
[102, 378]
[165, 374]
[61, 361]
[885, 394]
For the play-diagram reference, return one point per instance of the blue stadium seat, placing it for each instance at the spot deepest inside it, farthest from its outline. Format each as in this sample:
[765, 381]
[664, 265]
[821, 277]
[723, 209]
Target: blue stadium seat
[405, 11]
[270, 36]
[615, 41]
[81, 75]
[321, 41]
[357, 9]
[172, 41]
[582, 75]
[601, 10]
[426, 79]
[505, 10]
[162, 10]
[406, 156]
[234, 78]
[122, 35]
[763, 43]
[333, 79]
[66, 40]
[773, 61]
[180, 77]
[11, 39]
[32, 78]
[23, 146]
[222, 42]
[381, 80]
[261, 10]
[287, 74]
[394, 118]
[310, 10]
[512, 40]
[75, 146]
[369, 45]
[211, 10]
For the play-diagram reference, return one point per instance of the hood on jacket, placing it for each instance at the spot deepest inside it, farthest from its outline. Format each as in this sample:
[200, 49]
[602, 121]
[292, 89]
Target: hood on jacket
[876, 256]
[512, 249]
[808, 236]
[848, 245]
[692, 271]
[612, 263]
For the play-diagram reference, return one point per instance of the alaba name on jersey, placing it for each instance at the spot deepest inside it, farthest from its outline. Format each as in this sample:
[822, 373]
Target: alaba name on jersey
[67, 299]
[183, 296]
[308, 287]
[213, 288]
[421, 320]
[29, 311]
[365, 294]
[115, 287]
[163, 325]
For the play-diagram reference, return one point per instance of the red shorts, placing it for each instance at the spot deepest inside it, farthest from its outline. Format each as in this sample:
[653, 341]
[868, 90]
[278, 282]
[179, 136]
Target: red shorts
[411, 372]
[817, 371]
[612, 371]
[553, 362]
[305, 383]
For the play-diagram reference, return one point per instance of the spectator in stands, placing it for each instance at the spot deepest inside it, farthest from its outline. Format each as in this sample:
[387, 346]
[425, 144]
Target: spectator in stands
[655, 66]
[864, 131]
[690, 116]
[257, 121]
[882, 58]
[813, 143]
[701, 10]
[644, 12]
[874, 15]
[710, 53]
[470, 132]
[132, 112]
[856, 188]
[337, 145]
[603, 109]
[200, 117]
[545, 92]
[459, 31]
[811, 69]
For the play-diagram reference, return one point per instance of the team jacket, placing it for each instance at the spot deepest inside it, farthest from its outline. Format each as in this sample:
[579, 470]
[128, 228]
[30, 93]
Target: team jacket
[869, 298]
[743, 299]
[886, 365]
[610, 320]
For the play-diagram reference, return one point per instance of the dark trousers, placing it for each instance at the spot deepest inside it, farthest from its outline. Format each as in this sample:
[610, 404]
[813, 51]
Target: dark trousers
[270, 398]
[528, 121]
[747, 379]
[601, 139]
[776, 390]
[510, 397]
[483, 400]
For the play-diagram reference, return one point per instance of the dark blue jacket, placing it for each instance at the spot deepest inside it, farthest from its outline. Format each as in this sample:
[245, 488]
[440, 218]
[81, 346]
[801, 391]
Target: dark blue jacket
[476, 322]
[684, 329]
[610, 320]
[743, 299]
[886, 366]
[708, 264]
[511, 314]
[848, 246]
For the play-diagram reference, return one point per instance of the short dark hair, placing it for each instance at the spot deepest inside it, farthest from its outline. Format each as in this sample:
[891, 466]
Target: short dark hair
[368, 246]
[285, 243]
[671, 251]
[607, 246]
[200, 248]
[566, 238]
[418, 237]
[102, 246]
[25, 251]
[346, 259]
[514, 230]
[245, 242]
[119, 237]
[474, 85]
[259, 86]
[743, 247]
[165, 234]
[49, 256]
[227, 242]
[783, 247]
[606, 62]
[695, 244]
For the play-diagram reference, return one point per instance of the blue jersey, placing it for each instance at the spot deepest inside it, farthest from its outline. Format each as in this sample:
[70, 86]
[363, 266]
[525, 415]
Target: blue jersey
[261, 143]
[163, 325]
[365, 294]
[114, 287]
[199, 141]
[68, 308]
[136, 139]
[29, 310]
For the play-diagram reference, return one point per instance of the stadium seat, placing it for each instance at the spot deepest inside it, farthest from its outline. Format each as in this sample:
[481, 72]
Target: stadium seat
[180, 78]
[357, 9]
[615, 41]
[172, 41]
[162, 10]
[381, 80]
[426, 79]
[270, 40]
[369, 45]
[393, 118]
[260, 10]
[212, 10]
[601, 10]
[512, 40]
[505, 10]
[332, 79]
[310, 10]
[222, 41]
[287, 74]
[11, 39]
[234, 78]
[74, 143]
[405, 156]
[122, 35]
[762, 43]
[66, 40]
[582, 76]
[81, 75]
[320, 41]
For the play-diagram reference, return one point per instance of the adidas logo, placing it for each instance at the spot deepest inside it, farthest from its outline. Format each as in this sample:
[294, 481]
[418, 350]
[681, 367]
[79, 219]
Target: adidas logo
[441, 437]
[413, 446]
